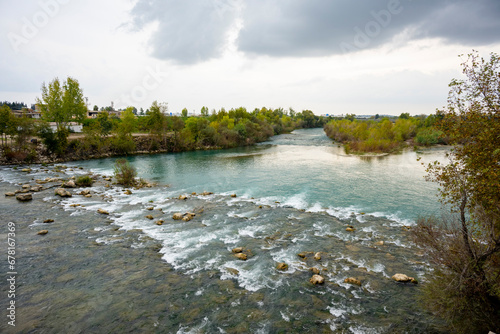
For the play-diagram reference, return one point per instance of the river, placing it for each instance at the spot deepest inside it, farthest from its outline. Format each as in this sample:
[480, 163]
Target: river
[296, 193]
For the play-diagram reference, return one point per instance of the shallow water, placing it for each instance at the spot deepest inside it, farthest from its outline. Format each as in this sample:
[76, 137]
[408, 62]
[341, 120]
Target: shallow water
[295, 193]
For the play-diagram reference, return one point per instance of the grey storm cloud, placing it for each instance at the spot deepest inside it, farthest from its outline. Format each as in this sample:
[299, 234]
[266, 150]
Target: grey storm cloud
[196, 30]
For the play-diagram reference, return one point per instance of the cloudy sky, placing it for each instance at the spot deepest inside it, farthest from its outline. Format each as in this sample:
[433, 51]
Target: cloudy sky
[329, 56]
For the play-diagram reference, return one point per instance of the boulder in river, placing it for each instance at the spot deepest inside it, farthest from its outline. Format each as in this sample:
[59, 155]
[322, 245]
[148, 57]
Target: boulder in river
[42, 232]
[282, 266]
[47, 221]
[317, 279]
[352, 280]
[241, 256]
[150, 217]
[182, 197]
[69, 184]
[317, 256]
[62, 192]
[24, 197]
[233, 195]
[404, 278]
[10, 194]
[237, 250]
[314, 270]
[103, 212]
[177, 216]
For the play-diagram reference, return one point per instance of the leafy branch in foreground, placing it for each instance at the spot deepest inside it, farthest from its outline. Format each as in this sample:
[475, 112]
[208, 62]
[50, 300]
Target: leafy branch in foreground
[465, 251]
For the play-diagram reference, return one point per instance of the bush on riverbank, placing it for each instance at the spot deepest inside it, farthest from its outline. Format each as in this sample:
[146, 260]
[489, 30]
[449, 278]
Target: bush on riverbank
[384, 136]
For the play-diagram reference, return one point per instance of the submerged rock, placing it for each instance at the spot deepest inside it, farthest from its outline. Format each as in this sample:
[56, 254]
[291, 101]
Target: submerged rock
[282, 266]
[233, 271]
[24, 197]
[237, 250]
[404, 278]
[317, 279]
[352, 280]
[128, 192]
[150, 208]
[314, 270]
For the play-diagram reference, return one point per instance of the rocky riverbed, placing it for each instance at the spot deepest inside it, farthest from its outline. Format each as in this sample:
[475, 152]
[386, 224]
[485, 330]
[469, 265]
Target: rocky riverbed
[117, 260]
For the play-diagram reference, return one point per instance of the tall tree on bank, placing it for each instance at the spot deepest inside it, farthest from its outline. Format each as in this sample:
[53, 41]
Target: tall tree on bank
[465, 287]
[62, 104]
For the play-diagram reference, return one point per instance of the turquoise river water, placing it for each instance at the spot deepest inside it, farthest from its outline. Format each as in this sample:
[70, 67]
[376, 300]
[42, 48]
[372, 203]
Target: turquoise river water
[295, 193]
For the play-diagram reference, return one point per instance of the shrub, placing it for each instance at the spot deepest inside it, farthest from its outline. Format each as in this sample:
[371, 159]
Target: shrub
[428, 136]
[84, 181]
[124, 173]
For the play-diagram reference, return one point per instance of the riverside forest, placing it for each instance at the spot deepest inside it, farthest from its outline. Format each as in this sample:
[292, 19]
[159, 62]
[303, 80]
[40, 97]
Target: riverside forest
[268, 220]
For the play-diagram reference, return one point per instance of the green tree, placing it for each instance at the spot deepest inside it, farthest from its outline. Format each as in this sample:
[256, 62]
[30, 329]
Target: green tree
[105, 123]
[404, 115]
[62, 104]
[7, 123]
[184, 112]
[204, 111]
[123, 141]
[465, 288]
[96, 108]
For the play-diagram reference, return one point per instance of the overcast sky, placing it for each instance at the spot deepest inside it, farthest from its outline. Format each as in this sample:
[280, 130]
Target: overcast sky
[329, 56]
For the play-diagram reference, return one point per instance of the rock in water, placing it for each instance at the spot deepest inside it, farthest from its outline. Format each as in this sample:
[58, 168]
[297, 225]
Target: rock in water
[241, 256]
[149, 217]
[314, 270]
[182, 197]
[237, 250]
[317, 256]
[352, 280]
[69, 184]
[177, 216]
[24, 197]
[317, 279]
[48, 221]
[282, 266]
[62, 192]
[102, 211]
[404, 279]
[10, 194]
[42, 232]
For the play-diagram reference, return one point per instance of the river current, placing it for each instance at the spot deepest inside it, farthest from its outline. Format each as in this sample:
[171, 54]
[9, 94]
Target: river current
[296, 193]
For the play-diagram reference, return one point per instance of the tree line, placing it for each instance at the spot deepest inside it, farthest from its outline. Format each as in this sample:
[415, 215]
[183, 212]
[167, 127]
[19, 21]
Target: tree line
[383, 135]
[63, 102]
